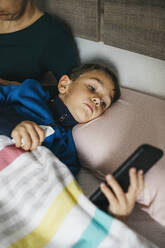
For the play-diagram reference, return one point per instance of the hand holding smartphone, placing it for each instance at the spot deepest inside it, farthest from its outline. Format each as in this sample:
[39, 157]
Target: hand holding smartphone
[143, 158]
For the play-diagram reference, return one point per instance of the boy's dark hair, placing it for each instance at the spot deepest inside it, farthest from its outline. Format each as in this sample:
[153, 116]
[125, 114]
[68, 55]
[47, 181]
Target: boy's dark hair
[76, 72]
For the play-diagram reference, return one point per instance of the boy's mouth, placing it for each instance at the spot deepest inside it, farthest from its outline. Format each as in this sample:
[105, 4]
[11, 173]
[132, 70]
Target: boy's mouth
[90, 107]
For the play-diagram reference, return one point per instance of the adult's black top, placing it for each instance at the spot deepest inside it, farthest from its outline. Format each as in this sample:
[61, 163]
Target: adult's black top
[41, 47]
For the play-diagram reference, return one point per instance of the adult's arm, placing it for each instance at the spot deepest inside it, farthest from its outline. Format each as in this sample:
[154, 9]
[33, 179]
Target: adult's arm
[7, 82]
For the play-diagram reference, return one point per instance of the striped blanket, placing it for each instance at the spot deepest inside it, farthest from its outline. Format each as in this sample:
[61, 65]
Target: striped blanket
[41, 205]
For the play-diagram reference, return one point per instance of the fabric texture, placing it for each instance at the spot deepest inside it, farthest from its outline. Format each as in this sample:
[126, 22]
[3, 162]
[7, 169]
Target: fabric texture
[41, 203]
[104, 144]
[30, 102]
[123, 26]
[44, 46]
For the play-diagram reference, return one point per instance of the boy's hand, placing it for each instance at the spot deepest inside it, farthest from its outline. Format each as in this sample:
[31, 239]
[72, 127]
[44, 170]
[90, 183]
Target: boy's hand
[121, 204]
[30, 133]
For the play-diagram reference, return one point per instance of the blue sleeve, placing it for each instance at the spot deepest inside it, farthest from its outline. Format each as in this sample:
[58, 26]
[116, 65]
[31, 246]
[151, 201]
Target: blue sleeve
[5, 92]
[9, 119]
[8, 116]
[11, 95]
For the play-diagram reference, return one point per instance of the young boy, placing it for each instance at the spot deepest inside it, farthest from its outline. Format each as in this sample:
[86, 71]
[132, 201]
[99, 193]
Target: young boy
[82, 96]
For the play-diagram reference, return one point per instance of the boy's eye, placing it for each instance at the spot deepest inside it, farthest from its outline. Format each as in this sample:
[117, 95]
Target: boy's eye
[103, 104]
[91, 88]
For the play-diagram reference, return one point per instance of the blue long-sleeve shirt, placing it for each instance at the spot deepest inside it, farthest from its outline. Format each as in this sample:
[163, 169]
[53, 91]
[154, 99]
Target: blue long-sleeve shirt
[29, 101]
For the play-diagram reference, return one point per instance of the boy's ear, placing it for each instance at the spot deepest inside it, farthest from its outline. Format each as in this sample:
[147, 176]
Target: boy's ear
[64, 84]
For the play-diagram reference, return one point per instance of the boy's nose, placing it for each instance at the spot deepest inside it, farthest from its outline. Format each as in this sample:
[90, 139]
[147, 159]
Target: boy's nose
[96, 101]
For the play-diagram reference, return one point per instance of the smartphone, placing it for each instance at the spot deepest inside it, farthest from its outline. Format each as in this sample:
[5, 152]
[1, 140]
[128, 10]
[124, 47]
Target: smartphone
[143, 158]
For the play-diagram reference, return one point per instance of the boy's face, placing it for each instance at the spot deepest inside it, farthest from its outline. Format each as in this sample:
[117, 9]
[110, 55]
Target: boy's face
[88, 96]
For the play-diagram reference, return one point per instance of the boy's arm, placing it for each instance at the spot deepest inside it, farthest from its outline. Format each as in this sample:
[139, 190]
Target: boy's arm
[12, 123]
[15, 126]
[6, 91]
[9, 119]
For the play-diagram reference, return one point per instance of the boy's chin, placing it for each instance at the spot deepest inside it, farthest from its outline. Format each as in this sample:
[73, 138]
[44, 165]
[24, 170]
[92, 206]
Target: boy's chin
[80, 118]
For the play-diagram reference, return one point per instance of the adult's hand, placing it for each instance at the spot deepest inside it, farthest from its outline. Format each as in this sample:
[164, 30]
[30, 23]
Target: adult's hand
[7, 82]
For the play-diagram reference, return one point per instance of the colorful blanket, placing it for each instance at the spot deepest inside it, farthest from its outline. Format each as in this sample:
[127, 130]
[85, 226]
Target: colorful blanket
[41, 205]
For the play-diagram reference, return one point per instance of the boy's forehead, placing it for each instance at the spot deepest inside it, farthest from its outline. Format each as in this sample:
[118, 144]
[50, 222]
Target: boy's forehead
[92, 72]
[100, 75]
[102, 78]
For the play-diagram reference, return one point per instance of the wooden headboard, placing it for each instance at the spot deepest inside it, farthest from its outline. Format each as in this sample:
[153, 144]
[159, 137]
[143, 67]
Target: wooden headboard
[137, 26]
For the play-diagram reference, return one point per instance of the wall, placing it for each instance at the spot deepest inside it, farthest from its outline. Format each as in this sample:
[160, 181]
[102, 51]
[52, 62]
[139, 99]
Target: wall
[135, 71]
[136, 26]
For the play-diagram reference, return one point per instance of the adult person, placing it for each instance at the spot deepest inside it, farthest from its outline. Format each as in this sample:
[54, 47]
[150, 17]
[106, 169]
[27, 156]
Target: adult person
[32, 43]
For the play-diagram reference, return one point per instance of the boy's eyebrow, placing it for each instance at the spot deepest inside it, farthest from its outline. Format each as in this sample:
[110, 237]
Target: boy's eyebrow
[101, 82]
[98, 80]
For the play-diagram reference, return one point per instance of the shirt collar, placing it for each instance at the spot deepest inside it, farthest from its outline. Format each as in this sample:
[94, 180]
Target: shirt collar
[61, 113]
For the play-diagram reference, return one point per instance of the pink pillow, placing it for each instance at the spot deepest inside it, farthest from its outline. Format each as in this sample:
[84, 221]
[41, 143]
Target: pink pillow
[103, 144]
